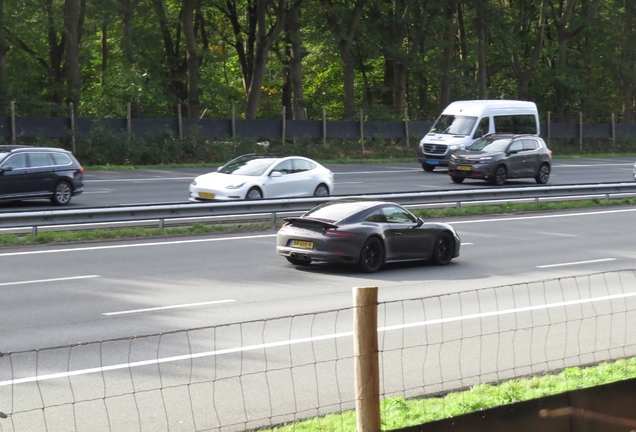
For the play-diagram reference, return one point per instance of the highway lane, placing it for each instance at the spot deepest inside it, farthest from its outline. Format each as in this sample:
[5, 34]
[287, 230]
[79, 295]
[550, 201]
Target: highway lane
[60, 294]
[143, 186]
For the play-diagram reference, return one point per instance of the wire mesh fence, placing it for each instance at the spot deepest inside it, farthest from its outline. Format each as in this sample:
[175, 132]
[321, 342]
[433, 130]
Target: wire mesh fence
[264, 373]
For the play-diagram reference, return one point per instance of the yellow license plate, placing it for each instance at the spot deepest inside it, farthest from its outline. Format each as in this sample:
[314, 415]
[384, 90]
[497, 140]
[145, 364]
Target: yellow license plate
[206, 195]
[463, 168]
[302, 244]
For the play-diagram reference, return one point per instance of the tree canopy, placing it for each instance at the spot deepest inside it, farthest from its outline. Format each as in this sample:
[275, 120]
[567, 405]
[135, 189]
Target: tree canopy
[385, 59]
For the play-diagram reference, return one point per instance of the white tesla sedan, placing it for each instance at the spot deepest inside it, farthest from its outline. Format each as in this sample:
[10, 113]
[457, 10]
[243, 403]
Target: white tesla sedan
[255, 176]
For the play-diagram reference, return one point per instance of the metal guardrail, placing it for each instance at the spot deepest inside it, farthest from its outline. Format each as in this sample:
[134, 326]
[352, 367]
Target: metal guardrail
[161, 212]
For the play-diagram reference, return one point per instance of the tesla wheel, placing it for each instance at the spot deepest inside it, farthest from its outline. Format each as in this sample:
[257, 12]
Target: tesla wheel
[372, 255]
[254, 194]
[500, 176]
[457, 179]
[321, 191]
[428, 167]
[444, 249]
[298, 262]
[544, 174]
[62, 193]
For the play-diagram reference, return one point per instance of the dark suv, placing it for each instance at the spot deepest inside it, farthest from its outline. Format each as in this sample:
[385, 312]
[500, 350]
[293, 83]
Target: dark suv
[39, 172]
[499, 157]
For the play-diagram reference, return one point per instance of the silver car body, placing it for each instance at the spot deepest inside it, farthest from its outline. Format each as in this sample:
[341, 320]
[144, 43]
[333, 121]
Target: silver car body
[262, 176]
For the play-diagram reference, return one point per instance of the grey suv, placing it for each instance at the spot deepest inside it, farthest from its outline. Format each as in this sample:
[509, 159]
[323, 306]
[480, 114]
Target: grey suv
[499, 157]
[28, 172]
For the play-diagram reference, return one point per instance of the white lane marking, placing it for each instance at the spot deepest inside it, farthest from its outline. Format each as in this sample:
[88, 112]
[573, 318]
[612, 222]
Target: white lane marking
[309, 339]
[577, 263]
[407, 170]
[593, 165]
[82, 249]
[49, 280]
[168, 307]
[591, 213]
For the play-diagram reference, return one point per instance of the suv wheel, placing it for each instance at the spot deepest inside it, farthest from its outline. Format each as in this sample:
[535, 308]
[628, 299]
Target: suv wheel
[544, 174]
[428, 167]
[500, 176]
[62, 193]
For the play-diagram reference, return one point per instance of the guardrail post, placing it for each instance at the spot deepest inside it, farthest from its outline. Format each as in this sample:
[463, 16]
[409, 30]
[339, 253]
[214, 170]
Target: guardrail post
[365, 354]
[34, 231]
[273, 220]
[161, 221]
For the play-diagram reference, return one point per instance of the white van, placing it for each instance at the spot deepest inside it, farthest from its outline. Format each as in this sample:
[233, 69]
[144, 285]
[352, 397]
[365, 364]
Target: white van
[464, 122]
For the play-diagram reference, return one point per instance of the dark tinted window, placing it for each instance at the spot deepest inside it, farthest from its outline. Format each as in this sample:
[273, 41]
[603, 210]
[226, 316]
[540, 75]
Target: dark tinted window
[376, 216]
[516, 124]
[301, 165]
[40, 159]
[530, 144]
[15, 161]
[61, 159]
[397, 215]
[285, 167]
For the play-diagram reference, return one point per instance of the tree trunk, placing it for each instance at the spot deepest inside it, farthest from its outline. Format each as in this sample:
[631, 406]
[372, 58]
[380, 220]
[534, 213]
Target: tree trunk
[71, 64]
[482, 83]
[524, 72]
[447, 56]
[628, 61]
[128, 7]
[4, 81]
[295, 66]
[192, 57]
[264, 41]
[344, 33]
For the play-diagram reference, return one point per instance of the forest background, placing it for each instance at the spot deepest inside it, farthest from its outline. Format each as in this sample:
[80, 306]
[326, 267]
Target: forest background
[388, 59]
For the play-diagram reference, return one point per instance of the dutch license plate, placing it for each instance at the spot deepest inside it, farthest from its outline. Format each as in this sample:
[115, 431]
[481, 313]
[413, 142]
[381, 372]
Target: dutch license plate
[432, 162]
[302, 244]
[206, 195]
[463, 168]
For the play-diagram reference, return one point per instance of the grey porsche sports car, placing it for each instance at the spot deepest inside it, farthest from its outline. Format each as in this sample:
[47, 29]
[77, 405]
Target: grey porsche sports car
[366, 233]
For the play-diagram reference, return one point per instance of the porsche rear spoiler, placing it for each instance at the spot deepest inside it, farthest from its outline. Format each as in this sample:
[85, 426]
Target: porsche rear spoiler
[300, 221]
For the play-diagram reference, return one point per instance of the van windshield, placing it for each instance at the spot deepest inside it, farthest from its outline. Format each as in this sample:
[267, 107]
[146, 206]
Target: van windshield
[454, 124]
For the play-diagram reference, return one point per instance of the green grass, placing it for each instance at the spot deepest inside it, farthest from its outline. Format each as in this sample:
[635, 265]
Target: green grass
[398, 412]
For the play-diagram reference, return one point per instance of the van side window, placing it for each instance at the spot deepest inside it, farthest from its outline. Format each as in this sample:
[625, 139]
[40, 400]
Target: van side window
[484, 126]
[516, 124]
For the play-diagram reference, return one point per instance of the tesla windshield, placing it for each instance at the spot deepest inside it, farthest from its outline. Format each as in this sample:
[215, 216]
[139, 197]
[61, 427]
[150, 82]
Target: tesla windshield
[454, 124]
[248, 166]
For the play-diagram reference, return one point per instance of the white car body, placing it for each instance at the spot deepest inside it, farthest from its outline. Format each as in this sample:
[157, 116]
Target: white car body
[262, 176]
[635, 171]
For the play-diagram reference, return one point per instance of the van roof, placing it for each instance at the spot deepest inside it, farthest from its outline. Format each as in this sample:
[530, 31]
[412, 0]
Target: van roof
[478, 107]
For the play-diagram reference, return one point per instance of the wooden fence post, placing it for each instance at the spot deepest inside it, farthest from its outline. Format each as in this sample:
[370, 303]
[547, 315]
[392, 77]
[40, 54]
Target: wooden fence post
[549, 131]
[179, 121]
[72, 114]
[13, 133]
[233, 121]
[581, 131]
[324, 126]
[128, 118]
[362, 130]
[406, 125]
[613, 130]
[366, 364]
[284, 132]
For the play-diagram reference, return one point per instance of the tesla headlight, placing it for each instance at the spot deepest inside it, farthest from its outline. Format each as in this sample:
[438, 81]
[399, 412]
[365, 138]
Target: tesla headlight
[194, 183]
[235, 186]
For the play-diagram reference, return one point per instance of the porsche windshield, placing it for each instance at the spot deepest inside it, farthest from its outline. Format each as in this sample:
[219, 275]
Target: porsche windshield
[249, 166]
[454, 124]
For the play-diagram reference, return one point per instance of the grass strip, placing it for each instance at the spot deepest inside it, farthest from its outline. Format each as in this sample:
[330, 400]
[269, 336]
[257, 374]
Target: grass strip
[397, 412]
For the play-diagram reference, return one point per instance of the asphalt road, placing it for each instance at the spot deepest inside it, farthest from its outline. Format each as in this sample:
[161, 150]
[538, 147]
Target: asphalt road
[62, 294]
[145, 186]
